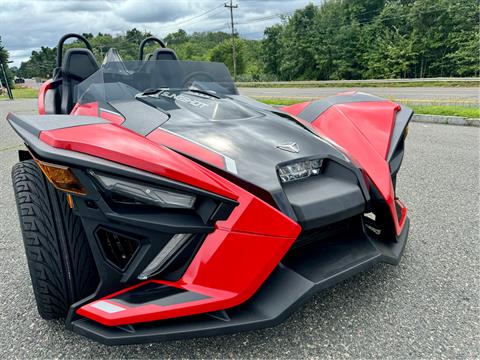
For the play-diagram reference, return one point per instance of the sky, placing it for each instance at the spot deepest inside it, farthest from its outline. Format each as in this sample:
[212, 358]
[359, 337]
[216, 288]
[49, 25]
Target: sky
[26, 25]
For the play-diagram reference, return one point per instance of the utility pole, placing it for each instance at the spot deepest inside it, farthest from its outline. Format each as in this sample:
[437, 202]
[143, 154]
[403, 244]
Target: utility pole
[234, 50]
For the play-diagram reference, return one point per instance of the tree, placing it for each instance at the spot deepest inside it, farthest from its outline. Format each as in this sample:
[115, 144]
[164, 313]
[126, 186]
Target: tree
[223, 53]
[135, 36]
[254, 66]
[40, 64]
[354, 39]
[271, 49]
[178, 37]
[338, 44]
[465, 59]
[463, 39]
[4, 60]
[13, 70]
[298, 55]
[392, 56]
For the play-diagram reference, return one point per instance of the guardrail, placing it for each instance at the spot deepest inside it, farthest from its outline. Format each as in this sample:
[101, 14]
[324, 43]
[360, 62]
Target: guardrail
[368, 81]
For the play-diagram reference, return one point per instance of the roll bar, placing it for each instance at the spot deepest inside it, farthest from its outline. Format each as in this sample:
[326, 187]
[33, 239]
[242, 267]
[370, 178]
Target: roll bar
[145, 41]
[61, 42]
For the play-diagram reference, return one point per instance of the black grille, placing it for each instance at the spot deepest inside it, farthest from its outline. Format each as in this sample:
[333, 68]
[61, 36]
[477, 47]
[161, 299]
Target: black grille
[325, 234]
[118, 249]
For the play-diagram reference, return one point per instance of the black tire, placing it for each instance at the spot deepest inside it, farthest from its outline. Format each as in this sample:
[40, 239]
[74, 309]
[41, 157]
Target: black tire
[59, 258]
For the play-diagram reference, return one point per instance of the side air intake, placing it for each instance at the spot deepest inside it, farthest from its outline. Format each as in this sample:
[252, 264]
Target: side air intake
[118, 249]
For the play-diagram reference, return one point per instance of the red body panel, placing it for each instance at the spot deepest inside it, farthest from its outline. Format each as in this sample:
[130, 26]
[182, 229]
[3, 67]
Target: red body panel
[158, 136]
[89, 109]
[229, 268]
[121, 145]
[116, 119]
[363, 131]
[375, 120]
[152, 312]
[41, 96]
[93, 109]
[251, 216]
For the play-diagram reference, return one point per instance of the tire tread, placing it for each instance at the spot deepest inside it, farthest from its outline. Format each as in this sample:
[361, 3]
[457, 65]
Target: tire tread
[59, 258]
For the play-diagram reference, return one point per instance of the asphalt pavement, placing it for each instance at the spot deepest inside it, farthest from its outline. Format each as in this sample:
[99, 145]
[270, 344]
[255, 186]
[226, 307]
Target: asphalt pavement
[465, 96]
[427, 307]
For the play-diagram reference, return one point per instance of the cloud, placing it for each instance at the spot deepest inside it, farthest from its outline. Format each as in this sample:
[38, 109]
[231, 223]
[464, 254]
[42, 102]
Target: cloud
[79, 5]
[138, 12]
[27, 25]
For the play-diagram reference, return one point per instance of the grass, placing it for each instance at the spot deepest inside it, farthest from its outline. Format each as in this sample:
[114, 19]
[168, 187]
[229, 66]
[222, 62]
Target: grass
[25, 93]
[22, 93]
[282, 101]
[446, 110]
[320, 84]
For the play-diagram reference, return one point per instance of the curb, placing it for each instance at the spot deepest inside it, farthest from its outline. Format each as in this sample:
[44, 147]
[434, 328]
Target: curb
[446, 120]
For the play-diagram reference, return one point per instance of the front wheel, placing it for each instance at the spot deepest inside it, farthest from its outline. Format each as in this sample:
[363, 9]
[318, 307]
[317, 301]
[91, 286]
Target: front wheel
[59, 258]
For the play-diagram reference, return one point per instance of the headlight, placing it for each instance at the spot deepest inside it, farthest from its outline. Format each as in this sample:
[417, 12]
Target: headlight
[144, 193]
[155, 266]
[300, 170]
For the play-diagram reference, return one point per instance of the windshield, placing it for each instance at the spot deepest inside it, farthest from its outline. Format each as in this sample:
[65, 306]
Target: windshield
[124, 80]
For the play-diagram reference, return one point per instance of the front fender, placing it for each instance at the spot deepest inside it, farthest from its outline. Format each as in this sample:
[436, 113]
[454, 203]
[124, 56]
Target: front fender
[369, 129]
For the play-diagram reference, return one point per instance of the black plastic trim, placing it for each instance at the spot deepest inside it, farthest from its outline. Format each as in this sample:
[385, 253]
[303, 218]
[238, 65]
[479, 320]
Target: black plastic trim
[130, 109]
[35, 124]
[333, 195]
[156, 294]
[316, 108]
[402, 119]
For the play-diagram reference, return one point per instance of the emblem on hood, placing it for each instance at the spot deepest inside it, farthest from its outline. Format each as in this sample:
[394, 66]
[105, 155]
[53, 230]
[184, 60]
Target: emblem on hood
[290, 147]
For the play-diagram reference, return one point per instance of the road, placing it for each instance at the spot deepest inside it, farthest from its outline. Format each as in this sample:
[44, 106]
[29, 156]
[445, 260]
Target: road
[427, 307]
[468, 96]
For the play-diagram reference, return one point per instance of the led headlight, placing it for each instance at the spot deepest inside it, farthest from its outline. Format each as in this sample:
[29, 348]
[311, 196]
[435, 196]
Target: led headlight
[144, 193]
[300, 170]
[175, 243]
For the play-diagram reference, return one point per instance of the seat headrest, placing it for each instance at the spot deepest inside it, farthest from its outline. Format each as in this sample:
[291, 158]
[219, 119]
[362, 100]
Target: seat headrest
[164, 54]
[79, 63]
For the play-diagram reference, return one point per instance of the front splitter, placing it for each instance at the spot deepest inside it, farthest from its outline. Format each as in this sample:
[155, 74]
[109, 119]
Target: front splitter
[295, 280]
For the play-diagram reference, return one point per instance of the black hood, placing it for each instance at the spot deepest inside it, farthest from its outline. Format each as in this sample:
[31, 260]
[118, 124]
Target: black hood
[244, 131]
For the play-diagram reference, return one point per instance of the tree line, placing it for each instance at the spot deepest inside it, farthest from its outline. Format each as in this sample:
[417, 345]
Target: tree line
[339, 39]
[199, 46]
[350, 39]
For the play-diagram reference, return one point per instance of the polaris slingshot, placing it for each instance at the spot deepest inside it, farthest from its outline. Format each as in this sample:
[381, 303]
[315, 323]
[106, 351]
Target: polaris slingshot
[157, 203]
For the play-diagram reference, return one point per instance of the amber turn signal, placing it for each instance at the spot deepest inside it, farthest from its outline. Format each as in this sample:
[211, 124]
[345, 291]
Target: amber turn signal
[70, 200]
[61, 177]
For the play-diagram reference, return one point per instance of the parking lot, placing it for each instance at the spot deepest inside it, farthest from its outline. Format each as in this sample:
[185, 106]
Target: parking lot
[427, 307]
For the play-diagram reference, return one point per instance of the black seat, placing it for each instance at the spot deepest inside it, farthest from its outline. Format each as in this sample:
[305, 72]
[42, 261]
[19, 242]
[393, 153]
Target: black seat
[78, 64]
[163, 54]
